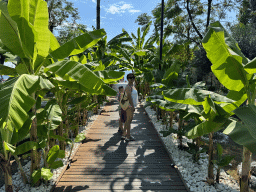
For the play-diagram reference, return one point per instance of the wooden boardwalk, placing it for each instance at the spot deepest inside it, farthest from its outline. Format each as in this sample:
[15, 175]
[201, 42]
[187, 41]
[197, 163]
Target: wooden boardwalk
[107, 164]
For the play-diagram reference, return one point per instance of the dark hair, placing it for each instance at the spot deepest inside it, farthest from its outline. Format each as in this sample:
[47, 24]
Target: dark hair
[130, 75]
[121, 87]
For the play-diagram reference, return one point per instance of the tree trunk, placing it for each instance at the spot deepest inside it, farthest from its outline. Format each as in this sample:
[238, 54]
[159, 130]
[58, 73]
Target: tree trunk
[84, 117]
[95, 100]
[6, 167]
[198, 144]
[22, 172]
[78, 120]
[35, 155]
[246, 167]
[210, 179]
[61, 143]
[98, 14]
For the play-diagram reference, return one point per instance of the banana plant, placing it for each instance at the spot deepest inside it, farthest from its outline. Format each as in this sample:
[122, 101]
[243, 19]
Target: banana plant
[236, 73]
[221, 161]
[216, 111]
[24, 33]
[48, 119]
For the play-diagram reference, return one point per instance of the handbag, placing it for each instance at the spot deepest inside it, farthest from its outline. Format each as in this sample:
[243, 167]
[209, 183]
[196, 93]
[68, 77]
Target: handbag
[124, 102]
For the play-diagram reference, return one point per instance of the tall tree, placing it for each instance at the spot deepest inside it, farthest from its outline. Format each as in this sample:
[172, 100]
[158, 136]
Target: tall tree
[190, 15]
[68, 32]
[246, 12]
[143, 19]
[61, 11]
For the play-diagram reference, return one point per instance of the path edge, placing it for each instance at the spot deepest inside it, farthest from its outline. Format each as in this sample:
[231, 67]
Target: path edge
[169, 154]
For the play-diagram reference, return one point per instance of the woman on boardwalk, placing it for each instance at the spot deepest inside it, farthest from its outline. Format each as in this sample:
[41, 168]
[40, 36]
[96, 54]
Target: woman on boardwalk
[132, 95]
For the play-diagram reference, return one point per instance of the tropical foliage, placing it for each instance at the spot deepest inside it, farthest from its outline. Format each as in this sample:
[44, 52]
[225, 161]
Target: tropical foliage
[78, 66]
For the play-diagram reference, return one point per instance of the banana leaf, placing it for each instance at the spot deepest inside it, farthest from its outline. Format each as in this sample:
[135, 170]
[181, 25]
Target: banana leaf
[9, 33]
[15, 102]
[109, 76]
[192, 96]
[78, 44]
[241, 135]
[226, 58]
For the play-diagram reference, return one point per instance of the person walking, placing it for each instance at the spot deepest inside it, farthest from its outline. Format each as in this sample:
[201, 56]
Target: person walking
[132, 96]
[122, 113]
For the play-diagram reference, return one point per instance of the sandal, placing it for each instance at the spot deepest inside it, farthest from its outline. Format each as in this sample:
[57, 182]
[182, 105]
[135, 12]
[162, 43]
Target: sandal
[130, 139]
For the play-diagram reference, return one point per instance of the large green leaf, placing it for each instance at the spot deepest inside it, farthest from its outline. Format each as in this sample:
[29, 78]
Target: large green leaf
[44, 173]
[56, 164]
[72, 70]
[241, 135]
[145, 32]
[80, 137]
[23, 132]
[250, 67]
[248, 116]
[53, 113]
[16, 101]
[239, 97]
[123, 52]
[78, 44]
[54, 44]
[105, 90]
[204, 128]
[38, 17]
[9, 33]
[171, 73]
[53, 154]
[226, 58]
[5, 70]
[141, 52]
[25, 147]
[19, 12]
[45, 84]
[109, 76]
[193, 96]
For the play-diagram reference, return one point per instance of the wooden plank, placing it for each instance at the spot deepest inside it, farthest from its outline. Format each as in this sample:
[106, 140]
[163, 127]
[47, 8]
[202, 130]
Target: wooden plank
[123, 165]
[134, 183]
[104, 177]
[85, 172]
[85, 169]
[103, 162]
[115, 186]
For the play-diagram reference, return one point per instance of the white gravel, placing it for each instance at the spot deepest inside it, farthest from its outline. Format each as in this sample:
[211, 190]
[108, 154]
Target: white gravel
[194, 174]
[16, 178]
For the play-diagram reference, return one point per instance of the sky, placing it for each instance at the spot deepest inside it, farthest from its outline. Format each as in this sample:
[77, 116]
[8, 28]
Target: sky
[116, 14]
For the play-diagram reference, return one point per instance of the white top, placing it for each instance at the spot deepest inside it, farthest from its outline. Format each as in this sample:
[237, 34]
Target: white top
[134, 95]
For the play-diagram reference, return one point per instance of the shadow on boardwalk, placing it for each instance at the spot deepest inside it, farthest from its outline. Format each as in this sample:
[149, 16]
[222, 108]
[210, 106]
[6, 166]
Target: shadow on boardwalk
[106, 163]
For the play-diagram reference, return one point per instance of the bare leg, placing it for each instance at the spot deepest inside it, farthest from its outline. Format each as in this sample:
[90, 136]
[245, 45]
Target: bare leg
[127, 125]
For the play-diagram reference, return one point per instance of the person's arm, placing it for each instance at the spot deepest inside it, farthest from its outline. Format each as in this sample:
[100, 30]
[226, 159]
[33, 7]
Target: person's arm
[129, 95]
